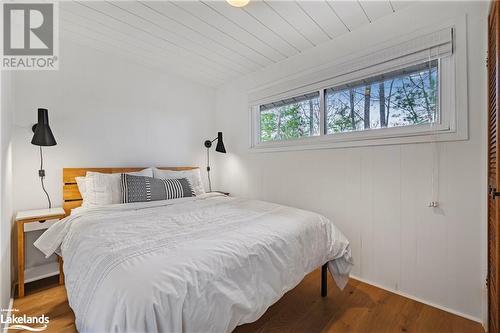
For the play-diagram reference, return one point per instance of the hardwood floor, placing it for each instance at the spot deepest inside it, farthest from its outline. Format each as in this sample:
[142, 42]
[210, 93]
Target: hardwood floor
[358, 308]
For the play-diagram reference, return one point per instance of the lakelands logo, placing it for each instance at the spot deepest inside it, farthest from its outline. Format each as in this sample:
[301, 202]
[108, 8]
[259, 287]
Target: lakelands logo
[24, 322]
[30, 36]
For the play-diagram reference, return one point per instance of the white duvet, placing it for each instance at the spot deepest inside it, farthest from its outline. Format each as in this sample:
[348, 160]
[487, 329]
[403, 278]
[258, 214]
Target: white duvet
[203, 264]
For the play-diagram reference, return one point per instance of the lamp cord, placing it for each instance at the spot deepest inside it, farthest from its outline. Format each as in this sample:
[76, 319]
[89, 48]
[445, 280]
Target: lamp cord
[208, 171]
[42, 175]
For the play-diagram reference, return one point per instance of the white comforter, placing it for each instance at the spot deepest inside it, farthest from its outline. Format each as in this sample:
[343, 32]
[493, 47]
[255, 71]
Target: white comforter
[204, 264]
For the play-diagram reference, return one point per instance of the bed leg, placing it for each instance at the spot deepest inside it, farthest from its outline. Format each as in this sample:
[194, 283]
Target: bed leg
[324, 280]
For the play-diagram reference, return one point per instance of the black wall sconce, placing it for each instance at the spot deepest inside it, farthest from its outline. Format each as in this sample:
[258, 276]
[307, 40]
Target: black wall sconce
[219, 148]
[43, 137]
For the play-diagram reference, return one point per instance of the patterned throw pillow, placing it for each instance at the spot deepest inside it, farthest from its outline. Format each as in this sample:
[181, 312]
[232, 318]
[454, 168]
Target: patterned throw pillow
[140, 189]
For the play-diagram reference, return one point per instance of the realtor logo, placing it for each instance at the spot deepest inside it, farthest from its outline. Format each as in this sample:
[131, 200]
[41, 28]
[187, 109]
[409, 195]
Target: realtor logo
[29, 36]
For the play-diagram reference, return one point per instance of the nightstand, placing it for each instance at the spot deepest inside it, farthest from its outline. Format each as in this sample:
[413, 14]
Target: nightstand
[31, 220]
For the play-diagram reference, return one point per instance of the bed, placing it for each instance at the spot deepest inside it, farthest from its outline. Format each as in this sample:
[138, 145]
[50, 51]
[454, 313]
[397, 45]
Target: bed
[200, 264]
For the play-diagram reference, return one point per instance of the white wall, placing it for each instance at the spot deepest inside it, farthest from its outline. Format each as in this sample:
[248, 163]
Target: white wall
[105, 112]
[378, 196]
[5, 189]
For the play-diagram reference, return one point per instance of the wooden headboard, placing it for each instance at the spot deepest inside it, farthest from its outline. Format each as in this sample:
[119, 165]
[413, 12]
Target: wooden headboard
[72, 197]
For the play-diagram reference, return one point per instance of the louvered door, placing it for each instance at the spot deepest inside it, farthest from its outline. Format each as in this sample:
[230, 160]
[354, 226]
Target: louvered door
[493, 169]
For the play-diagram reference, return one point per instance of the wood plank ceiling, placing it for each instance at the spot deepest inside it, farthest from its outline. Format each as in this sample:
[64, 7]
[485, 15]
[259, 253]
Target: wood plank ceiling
[212, 42]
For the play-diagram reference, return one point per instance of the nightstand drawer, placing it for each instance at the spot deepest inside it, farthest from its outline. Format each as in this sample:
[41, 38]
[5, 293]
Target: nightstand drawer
[33, 226]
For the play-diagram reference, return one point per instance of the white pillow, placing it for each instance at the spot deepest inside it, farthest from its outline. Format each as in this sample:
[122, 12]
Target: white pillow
[81, 182]
[194, 177]
[105, 189]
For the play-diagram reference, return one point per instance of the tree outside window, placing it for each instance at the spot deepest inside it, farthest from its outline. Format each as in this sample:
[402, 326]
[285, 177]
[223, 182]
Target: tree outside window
[402, 98]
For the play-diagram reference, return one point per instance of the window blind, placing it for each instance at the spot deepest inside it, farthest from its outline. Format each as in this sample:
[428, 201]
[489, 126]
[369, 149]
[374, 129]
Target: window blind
[289, 101]
[386, 76]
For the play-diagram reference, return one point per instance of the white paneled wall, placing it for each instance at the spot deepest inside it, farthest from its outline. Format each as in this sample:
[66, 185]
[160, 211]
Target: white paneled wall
[5, 189]
[4, 245]
[379, 195]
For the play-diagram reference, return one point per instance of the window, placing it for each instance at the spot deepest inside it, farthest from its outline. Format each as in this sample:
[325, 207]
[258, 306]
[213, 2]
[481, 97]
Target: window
[401, 98]
[290, 119]
[405, 97]
[414, 91]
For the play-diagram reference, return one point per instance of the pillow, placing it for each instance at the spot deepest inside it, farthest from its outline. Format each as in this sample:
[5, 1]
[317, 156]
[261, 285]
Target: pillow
[81, 183]
[194, 177]
[141, 189]
[105, 188]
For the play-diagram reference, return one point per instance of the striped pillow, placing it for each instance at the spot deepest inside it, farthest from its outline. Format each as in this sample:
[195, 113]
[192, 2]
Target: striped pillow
[141, 189]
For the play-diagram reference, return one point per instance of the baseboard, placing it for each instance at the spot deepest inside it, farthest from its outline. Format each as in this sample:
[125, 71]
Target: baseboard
[444, 308]
[11, 305]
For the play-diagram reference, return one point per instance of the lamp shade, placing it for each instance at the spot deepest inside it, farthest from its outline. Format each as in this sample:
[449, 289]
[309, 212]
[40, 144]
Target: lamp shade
[220, 144]
[43, 135]
[238, 3]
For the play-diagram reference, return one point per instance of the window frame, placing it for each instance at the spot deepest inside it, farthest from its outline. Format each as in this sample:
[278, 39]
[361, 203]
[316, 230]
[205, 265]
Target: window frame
[413, 128]
[447, 128]
[321, 117]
